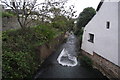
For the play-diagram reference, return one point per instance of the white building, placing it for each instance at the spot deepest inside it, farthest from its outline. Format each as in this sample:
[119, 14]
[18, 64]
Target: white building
[101, 33]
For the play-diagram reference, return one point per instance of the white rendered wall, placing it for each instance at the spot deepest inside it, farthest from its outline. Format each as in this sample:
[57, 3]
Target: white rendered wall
[105, 40]
[119, 33]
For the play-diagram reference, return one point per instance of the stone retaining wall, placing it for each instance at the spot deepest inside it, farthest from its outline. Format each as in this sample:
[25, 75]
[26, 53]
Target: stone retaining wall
[47, 49]
[108, 68]
[12, 23]
[9, 23]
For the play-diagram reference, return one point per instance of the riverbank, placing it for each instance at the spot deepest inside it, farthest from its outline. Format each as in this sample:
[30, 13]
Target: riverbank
[52, 69]
[19, 55]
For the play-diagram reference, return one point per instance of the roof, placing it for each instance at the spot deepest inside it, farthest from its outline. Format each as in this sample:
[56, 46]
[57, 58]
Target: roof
[99, 5]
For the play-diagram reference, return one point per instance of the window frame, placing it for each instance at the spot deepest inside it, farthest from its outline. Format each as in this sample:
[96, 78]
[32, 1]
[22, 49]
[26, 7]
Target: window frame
[91, 38]
[108, 24]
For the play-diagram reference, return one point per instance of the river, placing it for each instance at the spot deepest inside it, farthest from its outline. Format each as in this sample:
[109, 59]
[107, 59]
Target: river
[64, 64]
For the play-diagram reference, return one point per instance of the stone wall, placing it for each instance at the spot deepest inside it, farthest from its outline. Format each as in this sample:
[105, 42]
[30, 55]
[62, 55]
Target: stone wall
[12, 23]
[47, 49]
[108, 68]
[9, 23]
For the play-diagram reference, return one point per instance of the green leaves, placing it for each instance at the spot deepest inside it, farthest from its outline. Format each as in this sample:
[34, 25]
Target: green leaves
[62, 23]
[85, 16]
[17, 63]
[86, 61]
[19, 56]
[7, 14]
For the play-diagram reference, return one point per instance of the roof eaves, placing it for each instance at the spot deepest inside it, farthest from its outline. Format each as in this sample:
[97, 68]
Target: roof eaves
[99, 5]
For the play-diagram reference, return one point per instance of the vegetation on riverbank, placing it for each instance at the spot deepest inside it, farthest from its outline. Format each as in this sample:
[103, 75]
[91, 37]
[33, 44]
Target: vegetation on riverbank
[86, 61]
[19, 55]
[6, 14]
[84, 17]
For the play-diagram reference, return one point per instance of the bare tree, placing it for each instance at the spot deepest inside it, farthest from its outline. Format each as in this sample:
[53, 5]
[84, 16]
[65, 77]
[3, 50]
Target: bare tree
[53, 8]
[59, 15]
[23, 9]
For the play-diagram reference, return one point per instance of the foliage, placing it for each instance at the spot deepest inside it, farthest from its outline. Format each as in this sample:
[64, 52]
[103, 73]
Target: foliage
[61, 17]
[79, 32]
[70, 24]
[55, 8]
[18, 64]
[22, 10]
[86, 61]
[48, 11]
[19, 56]
[85, 16]
[80, 38]
[60, 22]
[7, 14]
[0, 14]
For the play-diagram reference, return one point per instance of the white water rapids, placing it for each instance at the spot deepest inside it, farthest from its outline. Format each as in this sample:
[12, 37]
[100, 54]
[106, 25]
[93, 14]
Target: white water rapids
[67, 56]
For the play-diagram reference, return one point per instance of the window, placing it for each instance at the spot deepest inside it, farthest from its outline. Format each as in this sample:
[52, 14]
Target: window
[91, 38]
[108, 25]
[11, 3]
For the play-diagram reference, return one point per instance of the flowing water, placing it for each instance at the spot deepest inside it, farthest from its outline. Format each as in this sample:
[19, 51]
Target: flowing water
[68, 55]
[64, 64]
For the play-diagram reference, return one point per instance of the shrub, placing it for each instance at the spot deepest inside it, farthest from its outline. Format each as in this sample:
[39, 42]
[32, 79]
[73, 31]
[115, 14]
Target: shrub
[18, 65]
[7, 14]
[79, 32]
[47, 32]
[0, 14]
[86, 61]
[19, 55]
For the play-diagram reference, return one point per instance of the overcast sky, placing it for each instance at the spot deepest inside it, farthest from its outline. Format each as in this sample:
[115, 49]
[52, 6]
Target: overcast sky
[81, 4]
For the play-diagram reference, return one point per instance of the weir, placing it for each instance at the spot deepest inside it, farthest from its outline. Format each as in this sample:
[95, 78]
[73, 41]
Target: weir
[67, 56]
